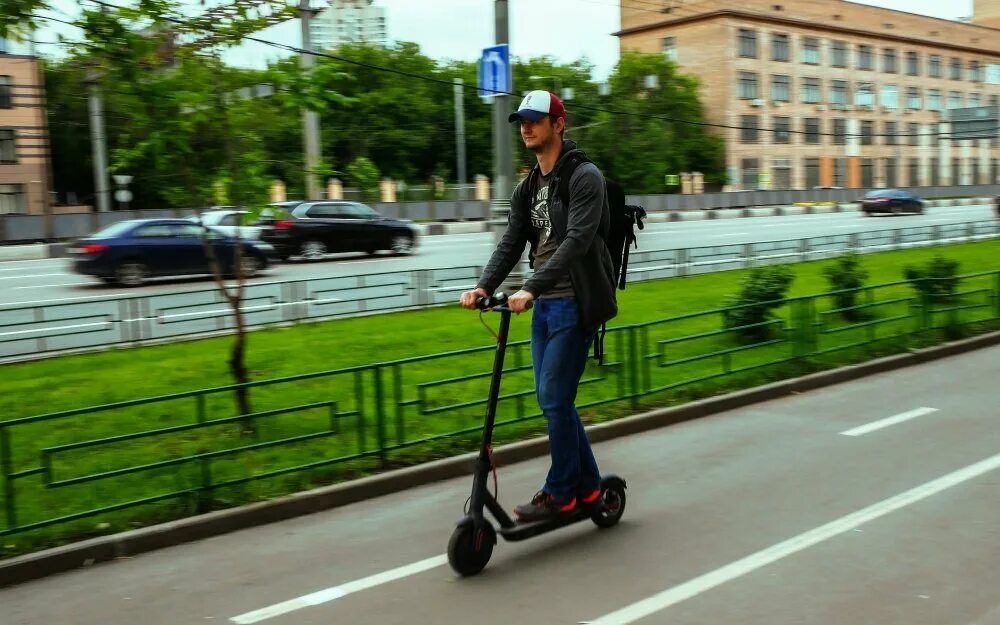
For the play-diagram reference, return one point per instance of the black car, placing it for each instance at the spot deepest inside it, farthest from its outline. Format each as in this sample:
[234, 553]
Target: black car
[131, 252]
[330, 226]
[894, 201]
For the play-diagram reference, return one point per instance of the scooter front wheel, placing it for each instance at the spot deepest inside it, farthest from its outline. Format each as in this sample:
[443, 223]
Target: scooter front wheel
[468, 550]
[611, 505]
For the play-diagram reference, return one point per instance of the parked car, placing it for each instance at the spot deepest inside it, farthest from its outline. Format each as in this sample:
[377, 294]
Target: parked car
[131, 252]
[318, 228]
[894, 201]
[229, 221]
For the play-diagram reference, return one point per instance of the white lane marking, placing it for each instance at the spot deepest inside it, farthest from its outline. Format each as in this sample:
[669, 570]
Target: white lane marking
[336, 592]
[884, 423]
[739, 568]
[49, 286]
[733, 234]
[61, 299]
[37, 275]
[35, 260]
[23, 268]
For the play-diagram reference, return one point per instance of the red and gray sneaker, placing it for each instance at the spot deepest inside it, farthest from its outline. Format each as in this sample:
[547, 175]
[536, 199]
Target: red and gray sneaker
[544, 506]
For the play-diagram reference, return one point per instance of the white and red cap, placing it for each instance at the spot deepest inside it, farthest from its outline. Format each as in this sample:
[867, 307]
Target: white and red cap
[537, 105]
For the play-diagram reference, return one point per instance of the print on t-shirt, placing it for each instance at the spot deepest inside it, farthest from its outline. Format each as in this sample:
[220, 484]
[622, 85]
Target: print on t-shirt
[540, 215]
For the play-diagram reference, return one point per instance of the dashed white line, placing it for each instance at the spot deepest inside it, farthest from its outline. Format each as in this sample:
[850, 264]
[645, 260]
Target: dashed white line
[336, 592]
[739, 568]
[61, 299]
[37, 275]
[884, 423]
[49, 286]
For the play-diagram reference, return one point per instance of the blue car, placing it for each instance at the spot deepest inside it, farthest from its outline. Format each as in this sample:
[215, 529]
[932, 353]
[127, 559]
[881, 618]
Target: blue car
[131, 252]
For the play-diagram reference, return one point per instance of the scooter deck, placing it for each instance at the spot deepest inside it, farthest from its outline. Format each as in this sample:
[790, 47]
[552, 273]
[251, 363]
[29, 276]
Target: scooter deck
[523, 531]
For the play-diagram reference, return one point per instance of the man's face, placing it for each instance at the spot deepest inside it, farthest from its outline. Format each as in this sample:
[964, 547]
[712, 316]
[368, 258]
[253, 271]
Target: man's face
[537, 136]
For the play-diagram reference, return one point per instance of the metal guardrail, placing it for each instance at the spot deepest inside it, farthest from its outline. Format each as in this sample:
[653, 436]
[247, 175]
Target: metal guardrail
[168, 456]
[28, 330]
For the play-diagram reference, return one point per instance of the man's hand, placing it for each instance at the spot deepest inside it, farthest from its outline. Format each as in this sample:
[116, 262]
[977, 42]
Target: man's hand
[520, 301]
[468, 299]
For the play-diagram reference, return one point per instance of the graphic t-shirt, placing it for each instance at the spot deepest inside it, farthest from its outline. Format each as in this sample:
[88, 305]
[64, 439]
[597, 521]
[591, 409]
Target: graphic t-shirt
[547, 242]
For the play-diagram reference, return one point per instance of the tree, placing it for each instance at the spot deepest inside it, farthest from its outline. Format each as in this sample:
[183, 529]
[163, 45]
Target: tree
[363, 173]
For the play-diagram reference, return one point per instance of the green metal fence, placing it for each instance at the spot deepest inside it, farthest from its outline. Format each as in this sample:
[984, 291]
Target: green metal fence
[164, 457]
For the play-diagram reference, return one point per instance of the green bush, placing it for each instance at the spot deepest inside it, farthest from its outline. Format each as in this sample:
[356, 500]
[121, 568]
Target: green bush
[846, 277]
[760, 291]
[937, 281]
[363, 173]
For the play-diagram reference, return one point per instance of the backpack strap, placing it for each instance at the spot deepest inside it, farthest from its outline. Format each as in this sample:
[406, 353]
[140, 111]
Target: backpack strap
[599, 343]
[566, 172]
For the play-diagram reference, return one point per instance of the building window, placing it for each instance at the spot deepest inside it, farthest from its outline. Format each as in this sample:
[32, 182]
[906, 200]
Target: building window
[891, 173]
[867, 173]
[12, 199]
[975, 100]
[975, 71]
[811, 91]
[956, 69]
[812, 173]
[840, 172]
[750, 173]
[670, 48]
[993, 73]
[866, 58]
[954, 100]
[749, 129]
[890, 133]
[865, 95]
[812, 130]
[782, 169]
[933, 99]
[8, 147]
[996, 171]
[747, 86]
[934, 66]
[748, 43]
[890, 96]
[839, 97]
[935, 172]
[912, 64]
[780, 49]
[782, 129]
[914, 173]
[867, 132]
[889, 61]
[839, 131]
[956, 171]
[781, 90]
[810, 51]
[913, 98]
[913, 130]
[6, 99]
[839, 54]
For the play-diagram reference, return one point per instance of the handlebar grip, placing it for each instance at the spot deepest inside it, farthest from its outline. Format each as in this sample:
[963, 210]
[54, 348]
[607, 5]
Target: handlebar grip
[485, 303]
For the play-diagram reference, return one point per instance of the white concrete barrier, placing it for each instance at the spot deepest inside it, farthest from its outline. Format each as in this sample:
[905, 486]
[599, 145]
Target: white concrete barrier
[24, 252]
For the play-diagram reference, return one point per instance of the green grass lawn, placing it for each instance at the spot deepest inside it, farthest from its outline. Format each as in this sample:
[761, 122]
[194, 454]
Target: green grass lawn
[421, 398]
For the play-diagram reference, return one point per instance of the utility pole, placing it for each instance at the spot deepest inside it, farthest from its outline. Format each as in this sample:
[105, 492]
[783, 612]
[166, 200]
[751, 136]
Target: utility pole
[98, 144]
[460, 136]
[503, 165]
[310, 120]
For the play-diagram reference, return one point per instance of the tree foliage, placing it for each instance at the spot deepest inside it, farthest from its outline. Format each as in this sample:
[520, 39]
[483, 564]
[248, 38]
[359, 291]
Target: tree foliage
[175, 123]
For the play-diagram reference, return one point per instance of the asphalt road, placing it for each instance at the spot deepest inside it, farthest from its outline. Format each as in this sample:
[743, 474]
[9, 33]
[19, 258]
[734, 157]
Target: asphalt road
[873, 502]
[52, 281]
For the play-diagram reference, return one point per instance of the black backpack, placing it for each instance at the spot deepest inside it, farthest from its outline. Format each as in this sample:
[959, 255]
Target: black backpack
[621, 236]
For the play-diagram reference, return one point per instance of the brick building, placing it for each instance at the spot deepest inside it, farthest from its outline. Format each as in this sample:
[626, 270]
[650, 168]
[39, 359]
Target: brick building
[829, 92]
[24, 171]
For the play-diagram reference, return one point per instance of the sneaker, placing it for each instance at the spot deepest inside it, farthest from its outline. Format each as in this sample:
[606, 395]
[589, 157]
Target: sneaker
[544, 506]
[589, 497]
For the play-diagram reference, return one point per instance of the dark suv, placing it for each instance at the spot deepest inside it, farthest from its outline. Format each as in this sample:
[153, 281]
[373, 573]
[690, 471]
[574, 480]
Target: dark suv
[329, 226]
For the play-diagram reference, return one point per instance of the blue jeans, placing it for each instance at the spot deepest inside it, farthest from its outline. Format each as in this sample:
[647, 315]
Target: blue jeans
[559, 350]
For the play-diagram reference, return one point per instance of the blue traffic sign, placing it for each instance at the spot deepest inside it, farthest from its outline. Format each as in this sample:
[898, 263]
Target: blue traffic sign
[494, 71]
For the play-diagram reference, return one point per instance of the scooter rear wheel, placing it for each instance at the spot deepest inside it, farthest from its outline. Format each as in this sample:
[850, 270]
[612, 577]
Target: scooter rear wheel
[468, 553]
[610, 507]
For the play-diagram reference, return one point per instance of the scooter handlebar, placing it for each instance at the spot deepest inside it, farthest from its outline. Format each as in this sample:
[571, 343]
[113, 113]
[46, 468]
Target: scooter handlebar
[497, 302]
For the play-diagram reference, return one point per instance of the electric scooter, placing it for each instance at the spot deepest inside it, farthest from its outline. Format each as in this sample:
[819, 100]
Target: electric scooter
[471, 544]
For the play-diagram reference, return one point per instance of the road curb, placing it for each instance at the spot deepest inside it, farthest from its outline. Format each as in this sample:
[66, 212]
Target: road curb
[85, 553]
